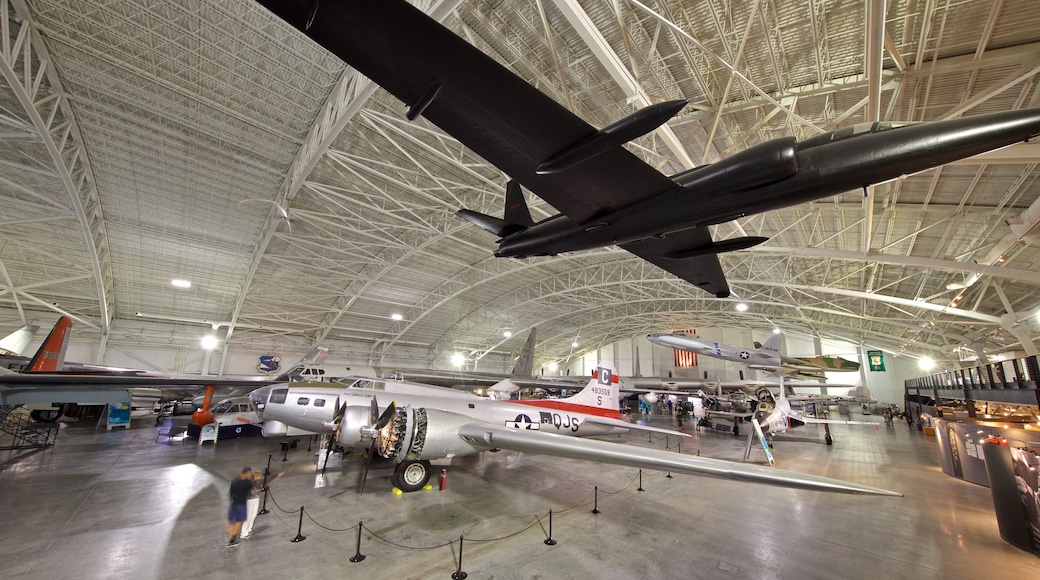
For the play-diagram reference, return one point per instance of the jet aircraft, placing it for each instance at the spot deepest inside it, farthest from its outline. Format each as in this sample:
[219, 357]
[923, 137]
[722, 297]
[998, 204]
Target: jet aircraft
[606, 194]
[764, 357]
[778, 416]
[413, 425]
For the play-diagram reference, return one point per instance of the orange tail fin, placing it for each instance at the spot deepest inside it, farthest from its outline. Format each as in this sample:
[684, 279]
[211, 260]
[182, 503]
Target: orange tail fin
[51, 355]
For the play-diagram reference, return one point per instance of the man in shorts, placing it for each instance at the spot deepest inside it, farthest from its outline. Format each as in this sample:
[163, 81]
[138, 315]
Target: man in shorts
[241, 487]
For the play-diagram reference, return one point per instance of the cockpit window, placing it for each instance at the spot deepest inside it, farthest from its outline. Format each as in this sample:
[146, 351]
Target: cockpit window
[278, 396]
[368, 384]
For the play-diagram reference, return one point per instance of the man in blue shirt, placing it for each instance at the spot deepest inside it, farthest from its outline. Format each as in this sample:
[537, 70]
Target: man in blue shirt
[239, 492]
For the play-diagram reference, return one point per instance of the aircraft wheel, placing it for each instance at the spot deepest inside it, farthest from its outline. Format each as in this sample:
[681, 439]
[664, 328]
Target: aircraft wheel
[828, 439]
[412, 475]
[47, 415]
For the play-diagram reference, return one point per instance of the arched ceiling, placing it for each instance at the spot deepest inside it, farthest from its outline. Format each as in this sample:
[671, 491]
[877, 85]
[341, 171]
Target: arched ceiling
[206, 140]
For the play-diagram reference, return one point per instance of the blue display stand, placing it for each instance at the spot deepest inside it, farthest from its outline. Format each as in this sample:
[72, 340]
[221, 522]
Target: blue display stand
[118, 415]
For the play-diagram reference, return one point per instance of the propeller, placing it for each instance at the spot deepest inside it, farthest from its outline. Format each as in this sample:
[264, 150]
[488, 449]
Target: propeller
[337, 424]
[380, 421]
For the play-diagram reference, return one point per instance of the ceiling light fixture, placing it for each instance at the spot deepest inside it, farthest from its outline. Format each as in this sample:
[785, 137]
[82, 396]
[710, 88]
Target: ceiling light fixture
[396, 316]
[179, 283]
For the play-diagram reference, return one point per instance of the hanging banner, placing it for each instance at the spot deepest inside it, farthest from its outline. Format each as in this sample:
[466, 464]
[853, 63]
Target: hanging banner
[877, 361]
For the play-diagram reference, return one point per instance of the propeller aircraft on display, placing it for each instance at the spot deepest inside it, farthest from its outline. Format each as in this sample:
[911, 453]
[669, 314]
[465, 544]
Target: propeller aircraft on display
[416, 424]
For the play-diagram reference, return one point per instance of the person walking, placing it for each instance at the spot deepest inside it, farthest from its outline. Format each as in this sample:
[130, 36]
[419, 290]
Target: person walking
[253, 503]
[239, 492]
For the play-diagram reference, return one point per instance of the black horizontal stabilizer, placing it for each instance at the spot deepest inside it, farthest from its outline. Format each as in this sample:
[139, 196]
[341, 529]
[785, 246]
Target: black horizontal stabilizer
[497, 226]
[635, 125]
[730, 245]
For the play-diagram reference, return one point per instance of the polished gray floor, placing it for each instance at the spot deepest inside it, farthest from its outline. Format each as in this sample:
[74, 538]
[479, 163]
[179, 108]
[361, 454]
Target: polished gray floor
[119, 505]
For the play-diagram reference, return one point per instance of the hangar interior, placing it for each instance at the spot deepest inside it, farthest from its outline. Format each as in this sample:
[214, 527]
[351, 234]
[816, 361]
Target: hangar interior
[210, 142]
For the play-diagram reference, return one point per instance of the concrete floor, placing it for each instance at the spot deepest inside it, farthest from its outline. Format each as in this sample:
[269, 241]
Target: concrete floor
[119, 505]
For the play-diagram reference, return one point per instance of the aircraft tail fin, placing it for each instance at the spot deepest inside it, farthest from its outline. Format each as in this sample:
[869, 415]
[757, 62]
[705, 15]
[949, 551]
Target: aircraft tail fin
[517, 217]
[772, 345]
[524, 366]
[51, 355]
[15, 343]
[602, 391]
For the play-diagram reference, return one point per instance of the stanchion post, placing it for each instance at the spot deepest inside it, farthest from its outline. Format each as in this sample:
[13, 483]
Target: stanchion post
[299, 535]
[263, 508]
[640, 488]
[595, 500]
[358, 556]
[550, 541]
[666, 442]
[459, 574]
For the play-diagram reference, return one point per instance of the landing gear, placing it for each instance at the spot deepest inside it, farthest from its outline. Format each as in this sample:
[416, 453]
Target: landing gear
[412, 475]
[47, 415]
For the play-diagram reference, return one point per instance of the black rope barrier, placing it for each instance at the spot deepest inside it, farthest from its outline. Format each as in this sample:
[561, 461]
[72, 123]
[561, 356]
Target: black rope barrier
[459, 573]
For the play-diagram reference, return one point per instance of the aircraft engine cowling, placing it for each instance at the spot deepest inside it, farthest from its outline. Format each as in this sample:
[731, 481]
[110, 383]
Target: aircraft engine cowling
[354, 418]
[420, 433]
[756, 166]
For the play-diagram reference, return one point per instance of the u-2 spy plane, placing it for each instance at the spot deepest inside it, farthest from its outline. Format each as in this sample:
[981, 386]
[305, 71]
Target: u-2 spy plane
[607, 195]
[413, 424]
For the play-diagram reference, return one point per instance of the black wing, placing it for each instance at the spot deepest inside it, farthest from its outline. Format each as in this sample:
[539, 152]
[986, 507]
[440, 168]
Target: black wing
[498, 115]
[705, 271]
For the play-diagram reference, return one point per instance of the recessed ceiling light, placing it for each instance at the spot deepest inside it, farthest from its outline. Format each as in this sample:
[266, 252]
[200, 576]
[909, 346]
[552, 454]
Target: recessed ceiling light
[741, 307]
[507, 334]
[396, 316]
[178, 283]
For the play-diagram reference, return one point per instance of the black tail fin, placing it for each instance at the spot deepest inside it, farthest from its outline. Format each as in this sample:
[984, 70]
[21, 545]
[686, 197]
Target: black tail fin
[517, 216]
[516, 206]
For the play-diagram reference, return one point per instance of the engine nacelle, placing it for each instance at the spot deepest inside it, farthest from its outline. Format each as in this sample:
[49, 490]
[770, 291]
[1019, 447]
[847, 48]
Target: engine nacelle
[756, 166]
[420, 433]
[354, 418]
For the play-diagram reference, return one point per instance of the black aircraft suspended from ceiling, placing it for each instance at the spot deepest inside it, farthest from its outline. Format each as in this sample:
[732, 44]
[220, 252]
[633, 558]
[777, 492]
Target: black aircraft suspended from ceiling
[607, 195]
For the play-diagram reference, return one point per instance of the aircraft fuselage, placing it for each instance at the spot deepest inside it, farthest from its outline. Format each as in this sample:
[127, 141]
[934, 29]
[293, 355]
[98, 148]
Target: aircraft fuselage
[826, 165]
[553, 416]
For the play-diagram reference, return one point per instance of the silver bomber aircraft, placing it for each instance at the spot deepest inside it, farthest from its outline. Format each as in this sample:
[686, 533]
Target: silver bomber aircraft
[413, 424]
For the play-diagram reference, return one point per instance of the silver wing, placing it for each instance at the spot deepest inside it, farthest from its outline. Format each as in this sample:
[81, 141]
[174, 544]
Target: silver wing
[493, 436]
